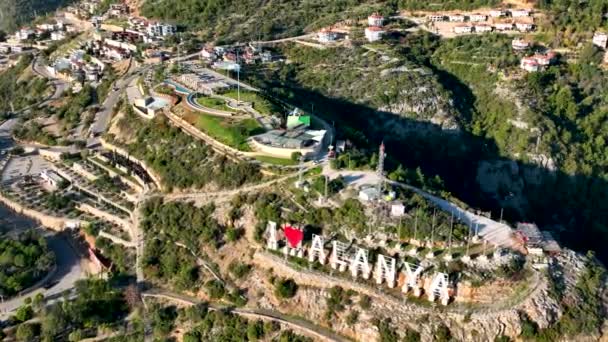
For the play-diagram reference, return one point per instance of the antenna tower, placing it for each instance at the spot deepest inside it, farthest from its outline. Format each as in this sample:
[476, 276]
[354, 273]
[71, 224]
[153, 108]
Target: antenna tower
[380, 169]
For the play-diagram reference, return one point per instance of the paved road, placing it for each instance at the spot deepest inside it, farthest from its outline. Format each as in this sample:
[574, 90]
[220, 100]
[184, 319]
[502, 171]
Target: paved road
[225, 195]
[59, 85]
[68, 272]
[103, 117]
[295, 323]
[496, 233]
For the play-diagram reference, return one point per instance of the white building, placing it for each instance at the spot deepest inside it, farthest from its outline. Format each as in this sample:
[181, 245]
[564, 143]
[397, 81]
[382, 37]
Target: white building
[326, 35]
[375, 20]
[520, 44]
[436, 17]
[600, 39]
[397, 209]
[529, 64]
[504, 26]
[369, 194]
[51, 178]
[481, 28]
[457, 18]
[524, 27]
[208, 53]
[497, 13]
[538, 62]
[57, 35]
[161, 30]
[374, 33]
[24, 34]
[460, 29]
[478, 17]
[520, 13]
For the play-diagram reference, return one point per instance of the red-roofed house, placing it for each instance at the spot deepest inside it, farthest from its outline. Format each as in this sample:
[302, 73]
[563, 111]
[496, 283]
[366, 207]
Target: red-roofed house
[326, 35]
[520, 44]
[529, 64]
[374, 33]
[375, 20]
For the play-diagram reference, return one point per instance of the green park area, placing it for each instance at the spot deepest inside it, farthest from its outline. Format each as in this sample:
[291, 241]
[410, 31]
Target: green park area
[259, 103]
[230, 132]
[276, 161]
[213, 103]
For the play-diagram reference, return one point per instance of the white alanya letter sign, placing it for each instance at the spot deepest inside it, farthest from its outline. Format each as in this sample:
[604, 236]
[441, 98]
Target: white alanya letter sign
[316, 250]
[271, 236]
[412, 279]
[385, 270]
[439, 288]
[338, 256]
[360, 263]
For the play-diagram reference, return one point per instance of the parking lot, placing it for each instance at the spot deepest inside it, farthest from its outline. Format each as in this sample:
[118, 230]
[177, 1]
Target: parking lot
[21, 166]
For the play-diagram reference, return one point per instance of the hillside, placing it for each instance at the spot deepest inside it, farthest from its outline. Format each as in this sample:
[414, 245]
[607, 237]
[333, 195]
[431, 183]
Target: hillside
[16, 12]
[232, 20]
[497, 161]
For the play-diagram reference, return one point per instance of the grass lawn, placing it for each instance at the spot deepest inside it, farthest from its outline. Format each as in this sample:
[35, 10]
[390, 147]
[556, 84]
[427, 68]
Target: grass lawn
[275, 160]
[213, 103]
[230, 132]
[260, 104]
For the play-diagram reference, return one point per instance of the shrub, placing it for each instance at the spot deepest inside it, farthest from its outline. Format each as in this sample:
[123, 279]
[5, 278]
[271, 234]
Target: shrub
[285, 288]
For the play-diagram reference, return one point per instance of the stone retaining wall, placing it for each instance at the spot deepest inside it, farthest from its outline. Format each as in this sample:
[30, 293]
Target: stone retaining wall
[137, 186]
[155, 177]
[52, 222]
[104, 215]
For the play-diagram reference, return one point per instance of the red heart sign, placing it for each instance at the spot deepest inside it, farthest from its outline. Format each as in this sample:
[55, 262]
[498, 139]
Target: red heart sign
[294, 236]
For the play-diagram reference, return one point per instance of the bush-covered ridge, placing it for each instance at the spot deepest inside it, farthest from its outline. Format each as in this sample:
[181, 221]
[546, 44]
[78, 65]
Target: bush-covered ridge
[16, 12]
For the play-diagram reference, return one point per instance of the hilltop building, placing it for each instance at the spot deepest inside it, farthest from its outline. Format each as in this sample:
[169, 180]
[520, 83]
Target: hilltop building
[326, 35]
[538, 62]
[520, 44]
[600, 39]
[374, 33]
[375, 20]
[282, 143]
[476, 17]
[156, 29]
[296, 120]
[460, 29]
[520, 13]
[497, 13]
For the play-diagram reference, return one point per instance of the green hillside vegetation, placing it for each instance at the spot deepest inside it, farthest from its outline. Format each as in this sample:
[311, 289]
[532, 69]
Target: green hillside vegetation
[17, 12]
[377, 80]
[567, 103]
[242, 20]
[213, 103]
[19, 87]
[23, 261]
[177, 223]
[180, 160]
[93, 304]
[263, 105]
[570, 22]
[438, 5]
[232, 133]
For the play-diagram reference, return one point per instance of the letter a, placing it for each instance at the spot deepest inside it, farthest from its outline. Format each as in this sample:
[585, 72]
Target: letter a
[316, 250]
[385, 270]
[360, 263]
[439, 287]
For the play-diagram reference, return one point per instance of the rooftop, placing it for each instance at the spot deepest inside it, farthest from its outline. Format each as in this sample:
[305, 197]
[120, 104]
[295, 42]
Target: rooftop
[292, 139]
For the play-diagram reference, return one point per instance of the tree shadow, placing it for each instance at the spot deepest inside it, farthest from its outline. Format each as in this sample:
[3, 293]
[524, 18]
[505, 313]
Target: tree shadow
[573, 207]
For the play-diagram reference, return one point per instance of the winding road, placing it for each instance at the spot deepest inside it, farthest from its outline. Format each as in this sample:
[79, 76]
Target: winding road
[67, 273]
[301, 325]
